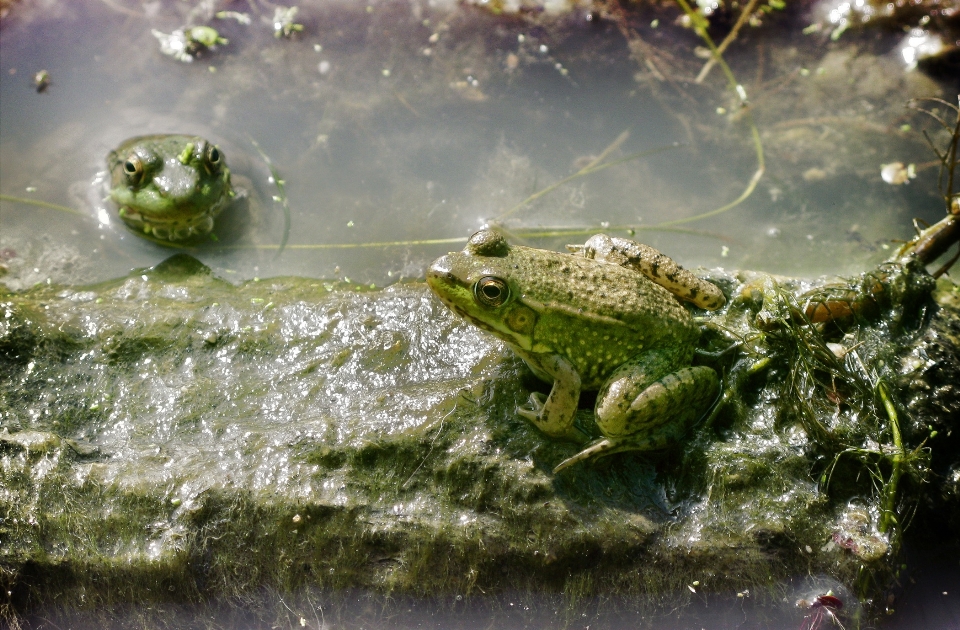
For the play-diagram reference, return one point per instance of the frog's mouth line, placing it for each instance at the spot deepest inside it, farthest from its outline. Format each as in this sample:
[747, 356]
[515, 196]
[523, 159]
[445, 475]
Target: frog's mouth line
[439, 280]
[473, 320]
[178, 230]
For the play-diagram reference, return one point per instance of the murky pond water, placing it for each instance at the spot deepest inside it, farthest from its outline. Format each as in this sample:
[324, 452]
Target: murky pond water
[398, 122]
[398, 128]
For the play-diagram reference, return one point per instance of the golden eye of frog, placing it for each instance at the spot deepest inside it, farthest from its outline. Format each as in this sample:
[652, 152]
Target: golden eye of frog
[169, 188]
[605, 317]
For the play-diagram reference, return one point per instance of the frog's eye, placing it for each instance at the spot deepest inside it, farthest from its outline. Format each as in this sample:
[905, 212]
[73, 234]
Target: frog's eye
[133, 169]
[491, 291]
[214, 158]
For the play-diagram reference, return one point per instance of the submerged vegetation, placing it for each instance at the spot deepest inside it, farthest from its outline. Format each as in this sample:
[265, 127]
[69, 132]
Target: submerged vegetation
[835, 357]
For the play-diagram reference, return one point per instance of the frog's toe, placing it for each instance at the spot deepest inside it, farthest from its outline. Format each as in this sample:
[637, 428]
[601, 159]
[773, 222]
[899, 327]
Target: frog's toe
[603, 446]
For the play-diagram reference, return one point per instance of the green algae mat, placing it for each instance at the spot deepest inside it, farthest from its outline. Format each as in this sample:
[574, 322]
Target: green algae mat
[169, 436]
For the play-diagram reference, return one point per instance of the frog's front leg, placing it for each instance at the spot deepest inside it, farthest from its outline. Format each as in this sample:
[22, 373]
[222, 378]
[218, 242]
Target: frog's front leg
[636, 416]
[555, 415]
[655, 265]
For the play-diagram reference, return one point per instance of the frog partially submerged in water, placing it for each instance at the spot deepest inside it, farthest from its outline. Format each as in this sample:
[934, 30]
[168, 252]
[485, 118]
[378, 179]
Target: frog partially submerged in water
[605, 317]
[169, 187]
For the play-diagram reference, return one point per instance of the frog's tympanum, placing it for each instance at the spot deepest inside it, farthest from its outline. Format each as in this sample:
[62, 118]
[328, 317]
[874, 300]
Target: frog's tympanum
[169, 188]
[605, 317]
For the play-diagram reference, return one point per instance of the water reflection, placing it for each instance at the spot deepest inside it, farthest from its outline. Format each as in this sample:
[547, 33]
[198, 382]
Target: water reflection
[934, 606]
[919, 44]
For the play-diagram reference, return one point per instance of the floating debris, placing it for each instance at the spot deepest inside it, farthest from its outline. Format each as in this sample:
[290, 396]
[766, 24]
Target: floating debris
[821, 607]
[41, 80]
[242, 18]
[283, 24]
[185, 44]
[857, 532]
[896, 173]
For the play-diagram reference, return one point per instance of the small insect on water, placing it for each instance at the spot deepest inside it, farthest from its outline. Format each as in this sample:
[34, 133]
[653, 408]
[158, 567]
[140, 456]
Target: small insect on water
[824, 606]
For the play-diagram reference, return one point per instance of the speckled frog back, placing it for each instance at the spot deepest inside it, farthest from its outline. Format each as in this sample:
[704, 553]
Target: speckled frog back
[598, 315]
[571, 283]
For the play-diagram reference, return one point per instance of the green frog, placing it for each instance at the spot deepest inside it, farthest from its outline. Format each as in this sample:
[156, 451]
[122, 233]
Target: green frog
[168, 187]
[605, 317]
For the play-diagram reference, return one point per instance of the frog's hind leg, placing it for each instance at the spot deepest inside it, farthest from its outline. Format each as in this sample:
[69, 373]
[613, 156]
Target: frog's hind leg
[657, 416]
[655, 265]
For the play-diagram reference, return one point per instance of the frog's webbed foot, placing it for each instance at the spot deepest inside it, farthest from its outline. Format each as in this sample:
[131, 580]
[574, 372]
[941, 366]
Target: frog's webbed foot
[533, 412]
[554, 414]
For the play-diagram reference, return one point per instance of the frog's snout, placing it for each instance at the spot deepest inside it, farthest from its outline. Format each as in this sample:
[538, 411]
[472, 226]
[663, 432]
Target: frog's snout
[176, 181]
[440, 273]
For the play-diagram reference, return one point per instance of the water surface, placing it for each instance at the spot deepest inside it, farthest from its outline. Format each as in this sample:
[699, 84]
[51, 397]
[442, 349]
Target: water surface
[400, 122]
